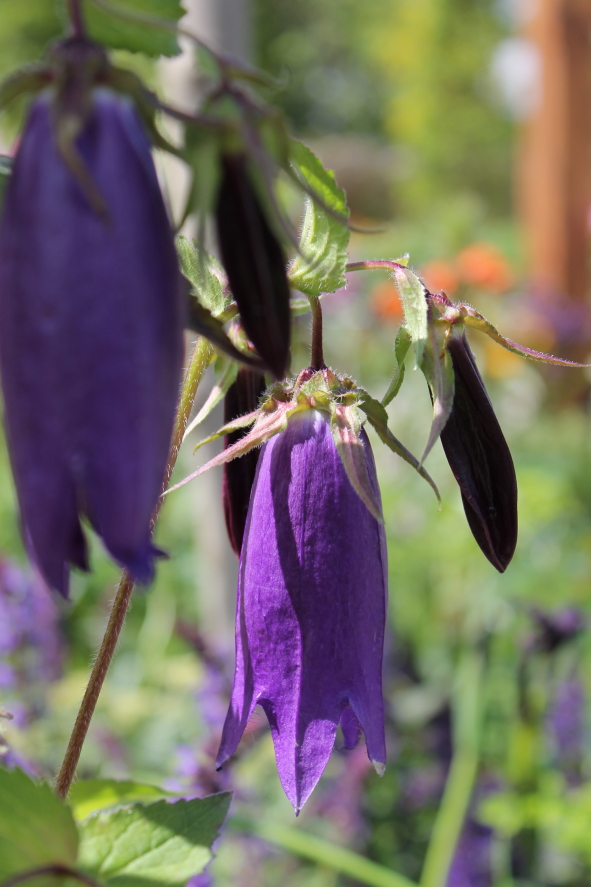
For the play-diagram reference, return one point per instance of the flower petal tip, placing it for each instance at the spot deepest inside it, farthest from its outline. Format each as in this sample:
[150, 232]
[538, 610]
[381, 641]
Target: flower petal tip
[379, 767]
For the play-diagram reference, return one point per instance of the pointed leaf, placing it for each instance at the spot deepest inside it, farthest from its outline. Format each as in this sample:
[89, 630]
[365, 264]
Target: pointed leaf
[205, 274]
[159, 844]
[320, 266]
[403, 343]
[345, 427]
[89, 795]
[378, 418]
[414, 301]
[36, 827]
[478, 322]
[146, 26]
[226, 372]
[438, 369]
[202, 154]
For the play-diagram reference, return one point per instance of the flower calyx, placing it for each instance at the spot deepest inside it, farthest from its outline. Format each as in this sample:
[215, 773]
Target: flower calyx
[348, 406]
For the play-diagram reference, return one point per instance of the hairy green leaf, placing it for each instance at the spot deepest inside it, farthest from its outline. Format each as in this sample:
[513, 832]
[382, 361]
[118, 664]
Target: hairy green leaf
[403, 343]
[36, 827]
[161, 844]
[320, 266]
[412, 292]
[89, 795]
[205, 274]
[146, 26]
[225, 375]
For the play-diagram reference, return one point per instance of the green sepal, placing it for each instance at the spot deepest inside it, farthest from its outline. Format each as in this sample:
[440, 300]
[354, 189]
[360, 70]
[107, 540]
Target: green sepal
[345, 425]
[226, 371]
[414, 302]
[31, 79]
[266, 426]
[401, 347]
[234, 425]
[475, 320]
[320, 264]
[378, 419]
[438, 369]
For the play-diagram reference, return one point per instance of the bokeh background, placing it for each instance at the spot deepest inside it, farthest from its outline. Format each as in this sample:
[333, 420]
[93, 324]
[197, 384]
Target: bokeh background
[461, 131]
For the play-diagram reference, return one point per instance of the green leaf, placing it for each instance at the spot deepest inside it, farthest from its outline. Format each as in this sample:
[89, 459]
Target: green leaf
[403, 343]
[225, 373]
[146, 26]
[202, 321]
[89, 795]
[163, 844]
[36, 827]
[413, 295]
[320, 266]
[202, 154]
[205, 274]
[378, 419]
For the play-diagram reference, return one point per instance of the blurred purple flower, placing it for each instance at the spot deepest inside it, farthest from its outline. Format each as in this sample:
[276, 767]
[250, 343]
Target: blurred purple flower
[565, 725]
[556, 628]
[91, 341]
[31, 646]
[471, 865]
[311, 606]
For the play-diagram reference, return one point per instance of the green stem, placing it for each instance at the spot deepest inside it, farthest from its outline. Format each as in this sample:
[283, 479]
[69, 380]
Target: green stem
[307, 846]
[462, 774]
[199, 361]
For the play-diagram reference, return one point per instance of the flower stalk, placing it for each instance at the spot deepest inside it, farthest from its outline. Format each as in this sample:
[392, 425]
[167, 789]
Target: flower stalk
[199, 362]
[76, 19]
[317, 353]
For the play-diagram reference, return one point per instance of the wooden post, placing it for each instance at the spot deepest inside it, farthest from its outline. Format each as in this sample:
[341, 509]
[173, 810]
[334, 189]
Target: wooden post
[554, 168]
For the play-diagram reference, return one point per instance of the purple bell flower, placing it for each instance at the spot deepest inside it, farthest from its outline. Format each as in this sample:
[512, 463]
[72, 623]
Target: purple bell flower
[311, 606]
[91, 345]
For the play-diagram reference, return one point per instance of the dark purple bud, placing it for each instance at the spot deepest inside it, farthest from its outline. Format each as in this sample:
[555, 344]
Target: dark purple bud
[479, 457]
[255, 264]
[242, 398]
[91, 344]
[311, 606]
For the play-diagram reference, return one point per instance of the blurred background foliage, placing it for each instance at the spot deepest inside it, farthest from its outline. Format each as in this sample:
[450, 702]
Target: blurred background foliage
[398, 97]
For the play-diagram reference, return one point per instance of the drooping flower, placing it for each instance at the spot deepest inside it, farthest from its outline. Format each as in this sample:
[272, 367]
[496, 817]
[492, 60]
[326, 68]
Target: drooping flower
[255, 264]
[311, 606]
[91, 319]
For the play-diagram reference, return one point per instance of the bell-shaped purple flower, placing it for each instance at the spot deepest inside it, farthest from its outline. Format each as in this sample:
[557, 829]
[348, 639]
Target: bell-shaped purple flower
[91, 320]
[311, 606]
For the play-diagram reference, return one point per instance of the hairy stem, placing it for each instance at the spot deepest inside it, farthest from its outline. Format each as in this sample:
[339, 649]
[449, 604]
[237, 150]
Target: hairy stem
[317, 355]
[76, 19]
[372, 264]
[52, 871]
[199, 361]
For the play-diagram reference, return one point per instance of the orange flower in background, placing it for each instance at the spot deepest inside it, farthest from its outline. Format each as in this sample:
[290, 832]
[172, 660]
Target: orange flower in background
[483, 266]
[440, 274]
[385, 301]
